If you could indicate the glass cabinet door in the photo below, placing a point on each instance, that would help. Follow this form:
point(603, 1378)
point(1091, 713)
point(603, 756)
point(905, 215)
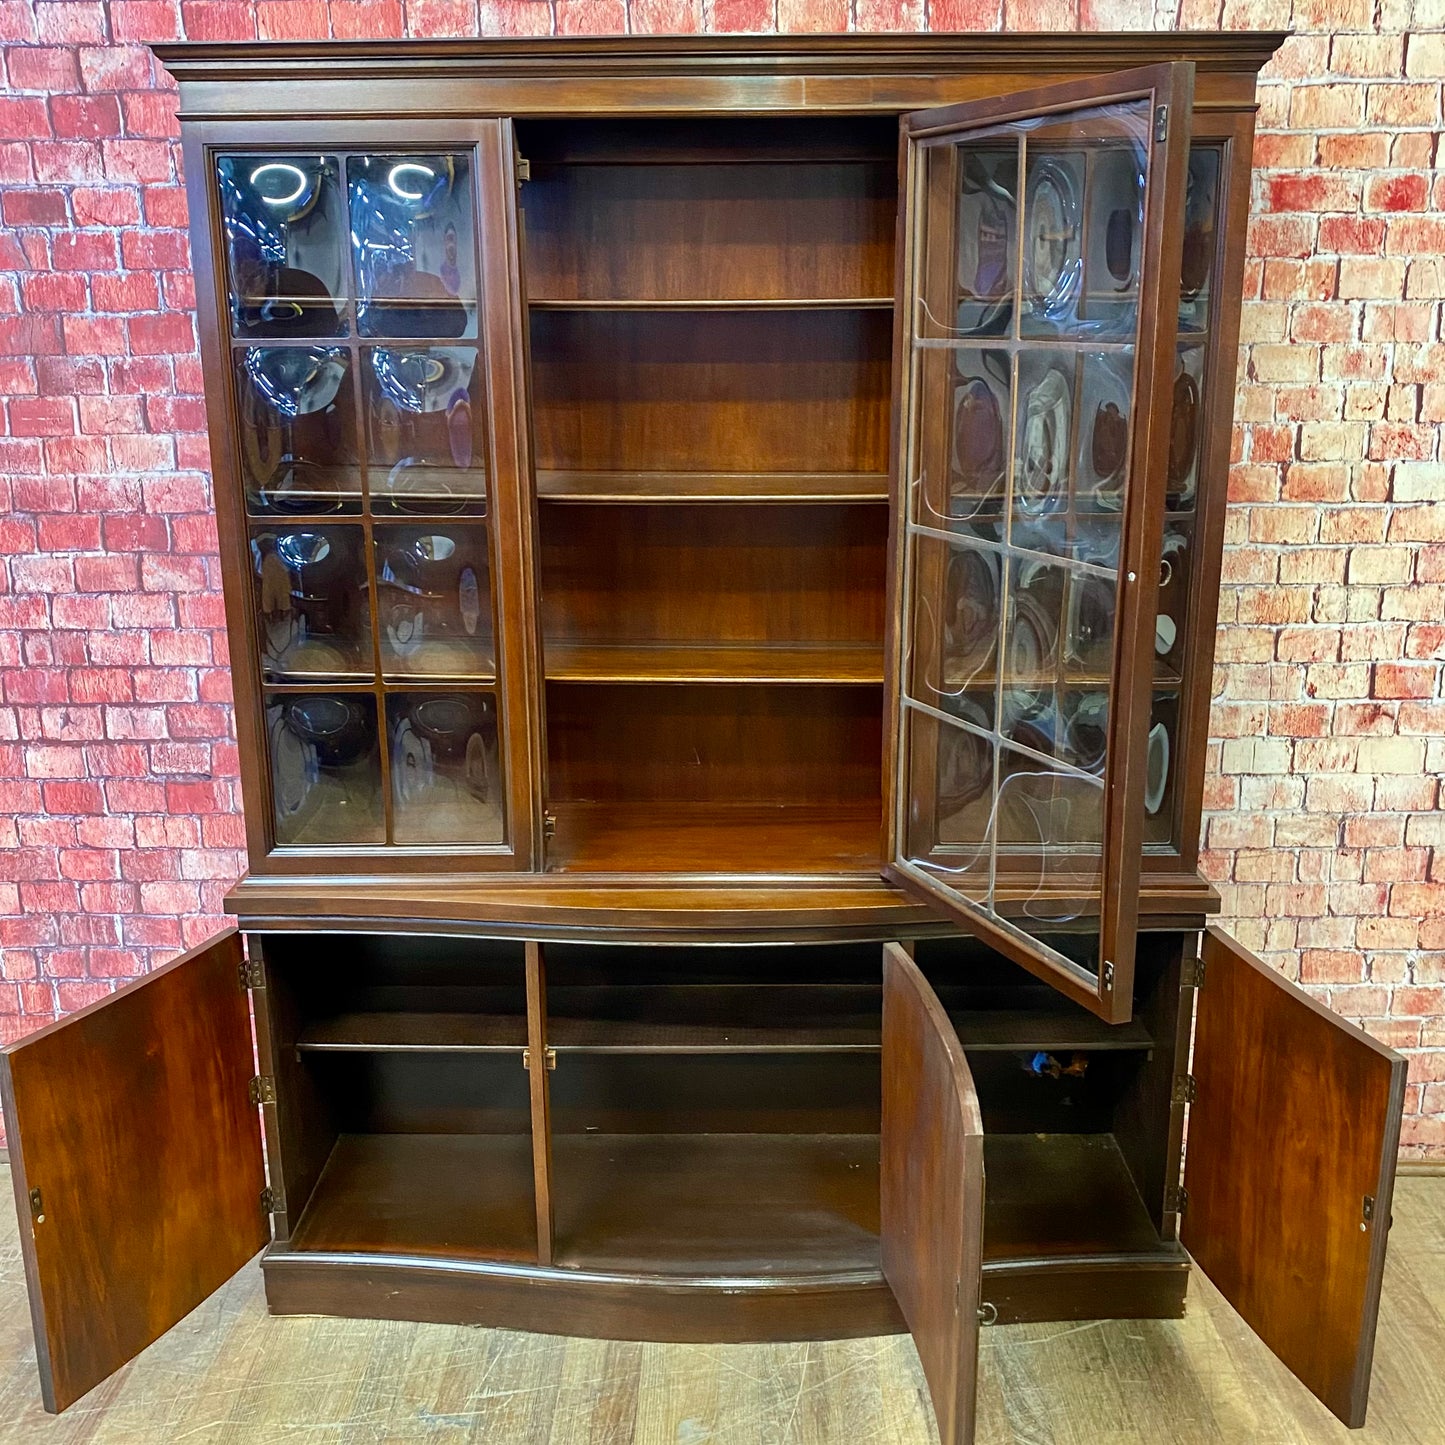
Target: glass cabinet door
point(354, 297)
point(1041, 288)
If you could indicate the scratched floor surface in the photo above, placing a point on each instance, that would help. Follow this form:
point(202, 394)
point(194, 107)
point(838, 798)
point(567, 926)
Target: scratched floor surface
point(230, 1373)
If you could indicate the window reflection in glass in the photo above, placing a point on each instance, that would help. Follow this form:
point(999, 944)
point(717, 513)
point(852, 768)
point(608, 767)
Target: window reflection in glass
point(412, 238)
point(285, 244)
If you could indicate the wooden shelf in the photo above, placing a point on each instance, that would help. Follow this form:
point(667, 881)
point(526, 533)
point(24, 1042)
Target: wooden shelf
point(406, 1032)
point(797, 1018)
point(738, 303)
point(563, 486)
point(715, 838)
point(444, 1195)
point(1061, 1195)
point(723, 1204)
point(742, 662)
point(713, 1018)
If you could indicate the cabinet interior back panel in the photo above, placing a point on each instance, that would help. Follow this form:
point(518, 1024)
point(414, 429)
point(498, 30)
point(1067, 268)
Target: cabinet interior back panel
point(711, 232)
point(753, 391)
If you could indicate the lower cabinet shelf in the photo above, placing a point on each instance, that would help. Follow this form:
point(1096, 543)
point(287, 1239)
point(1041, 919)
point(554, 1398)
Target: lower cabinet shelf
point(464, 1196)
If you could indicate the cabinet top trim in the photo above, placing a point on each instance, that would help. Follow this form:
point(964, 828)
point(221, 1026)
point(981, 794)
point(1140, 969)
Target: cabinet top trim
point(630, 55)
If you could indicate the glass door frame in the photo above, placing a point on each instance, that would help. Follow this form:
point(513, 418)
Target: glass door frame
point(1168, 91)
point(500, 342)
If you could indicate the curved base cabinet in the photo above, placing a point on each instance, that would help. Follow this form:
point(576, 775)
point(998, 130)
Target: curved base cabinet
point(681, 1309)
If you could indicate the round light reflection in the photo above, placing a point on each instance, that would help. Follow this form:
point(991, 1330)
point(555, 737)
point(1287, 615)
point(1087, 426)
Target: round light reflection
point(403, 168)
point(280, 168)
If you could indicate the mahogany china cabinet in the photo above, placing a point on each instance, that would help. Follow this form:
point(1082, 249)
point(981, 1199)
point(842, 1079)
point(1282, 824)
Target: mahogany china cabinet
point(721, 540)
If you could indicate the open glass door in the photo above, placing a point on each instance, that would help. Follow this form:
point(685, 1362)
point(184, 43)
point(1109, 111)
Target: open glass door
point(1039, 281)
point(135, 1145)
point(1293, 1132)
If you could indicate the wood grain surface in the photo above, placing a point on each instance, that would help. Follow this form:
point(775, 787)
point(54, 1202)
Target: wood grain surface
point(231, 1375)
point(138, 1162)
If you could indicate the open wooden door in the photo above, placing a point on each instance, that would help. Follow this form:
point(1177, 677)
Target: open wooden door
point(932, 1190)
point(1293, 1133)
point(1038, 311)
point(136, 1154)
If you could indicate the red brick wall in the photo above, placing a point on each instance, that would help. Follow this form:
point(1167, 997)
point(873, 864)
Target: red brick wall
point(117, 761)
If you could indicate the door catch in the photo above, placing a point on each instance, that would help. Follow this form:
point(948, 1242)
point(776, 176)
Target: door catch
point(37, 1207)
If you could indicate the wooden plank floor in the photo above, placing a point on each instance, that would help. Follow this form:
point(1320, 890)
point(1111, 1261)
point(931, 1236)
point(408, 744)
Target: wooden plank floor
point(230, 1373)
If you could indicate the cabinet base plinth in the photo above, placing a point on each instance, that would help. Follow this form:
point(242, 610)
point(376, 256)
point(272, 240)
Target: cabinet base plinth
point(696, 1310)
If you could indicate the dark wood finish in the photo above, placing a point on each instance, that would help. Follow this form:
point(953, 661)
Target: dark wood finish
point(465, 1196)
point(932, 1190)
point(1109, 991)
point(539, 1088)
point(1130, 1287)
point(703, 391)
point(650, 486)
point(723, 1204)
point(136, 1155)
point(1294, 1126)
point(454, 1033)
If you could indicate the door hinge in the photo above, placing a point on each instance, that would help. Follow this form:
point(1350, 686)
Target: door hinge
point(550, 1055)
point(1176, 1199)
point(549, 826)
point(1161, 123)
point(1185, 1088)
point(252, 974)
point(37, 1207)
point(524, 168)
point(1367, 1213)
point(1191, 975)
point(262, 1089)
point(271, 1202)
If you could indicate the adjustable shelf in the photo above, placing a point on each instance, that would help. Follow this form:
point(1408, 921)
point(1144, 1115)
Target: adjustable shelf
point(664, 486)
point(741, 662)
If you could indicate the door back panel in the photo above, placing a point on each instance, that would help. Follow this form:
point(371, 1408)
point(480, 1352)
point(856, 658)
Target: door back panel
point(136, 1154)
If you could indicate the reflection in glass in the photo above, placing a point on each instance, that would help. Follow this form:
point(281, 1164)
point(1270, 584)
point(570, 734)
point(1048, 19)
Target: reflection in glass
point(434, 601)
point(1201, 201)
point(445, 768)
point(1084, 736)
point(1173, 605)
point(950, 826)
point(1045, 432)
point(1184, 424)
point(1106, 381)
point(1056, 818)
point(311, 603)
point(1031, 654)
point(1053, 262)
point(424, 420)
point(285, 244)
point(1089, 625)
point(971, 623)
point(1159, 765)
point(980, 437)
point(411, 233)
point(1115, 235)
point(987, 217)
point(325, 768)
point(298, 423)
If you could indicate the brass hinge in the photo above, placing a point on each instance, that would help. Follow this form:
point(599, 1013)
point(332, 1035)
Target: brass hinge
point(1192, 973)
point(549, 826)
point(262, 1089)
point(37, 1207)
point(550, 1055)
point(1184, 1088)
point(252, 974)
point(524, 169)
point(1367, 1213)
point(271, 1202)
point(1176, 1199)
point(1161, 123)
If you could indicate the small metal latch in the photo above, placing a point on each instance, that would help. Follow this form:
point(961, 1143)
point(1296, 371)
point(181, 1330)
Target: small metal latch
point(549, 826)
point(1161, 123)
point(524, 169)
point(988, 1313)
point(1184, 1088)
point(1191, 975)
point(1176, 1199)
point(550, 1055)
point(262, 1089)
point(252, 974)
point(1367, 1213)
point(37, 1207)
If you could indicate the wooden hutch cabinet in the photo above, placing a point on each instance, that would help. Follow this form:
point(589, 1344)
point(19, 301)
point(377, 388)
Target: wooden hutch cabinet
point(703, 518)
